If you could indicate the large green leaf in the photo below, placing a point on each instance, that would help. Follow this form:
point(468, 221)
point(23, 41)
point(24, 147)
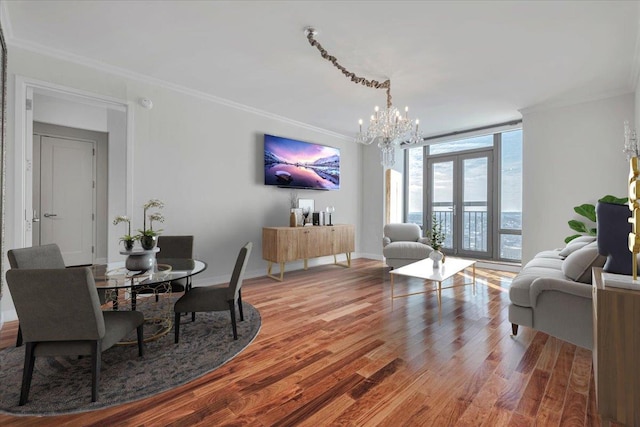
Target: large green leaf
point(578, 226)
point(586, 210)
point(615, 200)
point(570, 238)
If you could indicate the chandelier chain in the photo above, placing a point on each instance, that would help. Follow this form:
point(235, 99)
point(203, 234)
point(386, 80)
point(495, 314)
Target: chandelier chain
point(352, 76)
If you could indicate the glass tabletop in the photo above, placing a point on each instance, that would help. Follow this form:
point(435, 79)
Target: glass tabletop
point(116, 276)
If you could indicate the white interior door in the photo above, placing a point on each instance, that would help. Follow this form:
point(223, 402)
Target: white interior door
point(67, 197)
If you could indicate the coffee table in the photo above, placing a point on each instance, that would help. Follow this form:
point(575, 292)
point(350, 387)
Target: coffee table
point(424, 270)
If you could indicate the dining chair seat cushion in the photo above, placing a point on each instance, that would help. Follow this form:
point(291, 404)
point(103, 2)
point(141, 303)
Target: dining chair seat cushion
point(117, 324)
point(206, 298)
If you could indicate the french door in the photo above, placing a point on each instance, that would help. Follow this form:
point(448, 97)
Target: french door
point(459, 196)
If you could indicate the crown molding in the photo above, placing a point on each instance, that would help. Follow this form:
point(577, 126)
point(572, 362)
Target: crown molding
point(131, 75)
point(575, 101)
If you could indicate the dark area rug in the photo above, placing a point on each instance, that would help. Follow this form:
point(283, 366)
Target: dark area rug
point(63, 384)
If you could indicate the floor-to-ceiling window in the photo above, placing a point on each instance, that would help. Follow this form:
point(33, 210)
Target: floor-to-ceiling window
point(473, 188)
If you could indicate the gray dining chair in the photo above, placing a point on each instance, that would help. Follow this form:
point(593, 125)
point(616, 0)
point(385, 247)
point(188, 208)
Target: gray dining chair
point(172, 248)
point(37, 257)
point(60, 315)
point(215, 298)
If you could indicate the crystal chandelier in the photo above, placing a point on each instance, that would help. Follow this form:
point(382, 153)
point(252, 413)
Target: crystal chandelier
point(389, 127)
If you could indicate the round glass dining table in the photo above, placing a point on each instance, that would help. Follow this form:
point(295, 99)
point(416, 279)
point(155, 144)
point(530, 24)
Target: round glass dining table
point(121, 285)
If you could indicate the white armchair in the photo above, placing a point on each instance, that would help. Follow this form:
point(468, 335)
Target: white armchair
point(403, 244)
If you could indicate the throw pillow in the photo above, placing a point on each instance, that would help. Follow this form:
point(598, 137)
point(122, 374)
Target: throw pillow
point(575, 244)
point(577, 266)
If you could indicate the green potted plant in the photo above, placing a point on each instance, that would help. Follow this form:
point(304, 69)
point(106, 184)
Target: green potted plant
point(127, 239)
point(149, 236)
point(588, 211)
point(436, 238)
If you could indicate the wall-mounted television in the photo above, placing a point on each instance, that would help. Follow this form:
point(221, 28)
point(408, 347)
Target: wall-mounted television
point(291, 163)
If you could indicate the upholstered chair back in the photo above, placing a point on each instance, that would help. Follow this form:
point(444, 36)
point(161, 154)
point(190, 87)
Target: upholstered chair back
point(613, 230)
point(238, 271)
point(45, 256)
point(175, 246)
point(56, 304)
point(402, 232)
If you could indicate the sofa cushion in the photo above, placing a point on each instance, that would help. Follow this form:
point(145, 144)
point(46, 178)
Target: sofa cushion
point(577, 266)
point(553, 253)
point(552, 263)
point(406, 250)
point(519, 292)
point(575, 244)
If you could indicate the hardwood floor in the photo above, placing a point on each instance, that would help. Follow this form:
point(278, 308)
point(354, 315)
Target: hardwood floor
point(333, 351)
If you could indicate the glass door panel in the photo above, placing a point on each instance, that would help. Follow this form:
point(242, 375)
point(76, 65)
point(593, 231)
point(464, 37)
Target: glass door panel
point(460, 199)
point(475, 203)
point(442, 199)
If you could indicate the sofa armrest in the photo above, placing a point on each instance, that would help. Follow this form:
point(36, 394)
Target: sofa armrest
point(385, 241)
point(543, 284)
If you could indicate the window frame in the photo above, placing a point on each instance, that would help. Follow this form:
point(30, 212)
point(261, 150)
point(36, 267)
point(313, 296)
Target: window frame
point(496, 222)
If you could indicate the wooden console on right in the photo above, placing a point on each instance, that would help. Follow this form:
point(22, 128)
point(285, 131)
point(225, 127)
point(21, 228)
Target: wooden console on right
point(616, 351)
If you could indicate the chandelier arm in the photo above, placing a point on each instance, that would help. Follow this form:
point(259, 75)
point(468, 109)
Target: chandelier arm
point(352, 76)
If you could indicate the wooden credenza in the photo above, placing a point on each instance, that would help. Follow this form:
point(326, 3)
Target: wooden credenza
point(616, 352)
point(285, 244)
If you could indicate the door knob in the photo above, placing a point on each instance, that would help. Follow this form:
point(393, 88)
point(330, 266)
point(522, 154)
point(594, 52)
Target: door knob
point(48, 215)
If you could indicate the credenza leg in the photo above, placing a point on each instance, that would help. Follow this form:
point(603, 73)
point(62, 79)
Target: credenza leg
point(347, 263)
point(269, 274)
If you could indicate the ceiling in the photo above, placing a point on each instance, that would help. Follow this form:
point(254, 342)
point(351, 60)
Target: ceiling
point(457, 65)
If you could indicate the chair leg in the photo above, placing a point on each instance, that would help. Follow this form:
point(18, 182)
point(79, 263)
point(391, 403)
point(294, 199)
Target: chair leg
point(176, 325)
point(240, 305)
point(232, 309)
point(19, 337)
point(140, 332)
point(514, 329)
point(96, 359)
point(193, 316)
point(29, 360)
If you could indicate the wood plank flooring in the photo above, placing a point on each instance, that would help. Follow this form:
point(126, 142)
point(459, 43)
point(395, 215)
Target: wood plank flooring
point(334, 351)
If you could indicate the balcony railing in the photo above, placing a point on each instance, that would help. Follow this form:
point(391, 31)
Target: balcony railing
point(475, 229)
point(475, 233)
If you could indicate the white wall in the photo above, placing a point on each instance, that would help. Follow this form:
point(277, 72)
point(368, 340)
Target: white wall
point(572, 155)
point(64, 112)
point(372, 201)
point(203, 159)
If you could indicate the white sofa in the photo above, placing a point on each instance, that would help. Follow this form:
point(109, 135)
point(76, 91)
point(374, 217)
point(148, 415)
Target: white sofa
point(403, 244)
point(553, 292)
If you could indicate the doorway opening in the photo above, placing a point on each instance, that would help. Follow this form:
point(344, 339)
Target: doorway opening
point(54, 105)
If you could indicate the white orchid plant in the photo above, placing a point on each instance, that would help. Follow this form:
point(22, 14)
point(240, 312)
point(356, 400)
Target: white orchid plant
point(127, 237)
point(156, 216)
point(152, 217)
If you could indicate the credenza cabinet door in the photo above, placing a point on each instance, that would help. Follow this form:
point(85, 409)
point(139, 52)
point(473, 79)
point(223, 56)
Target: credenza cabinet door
point(343, 239)
point(281, 244)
